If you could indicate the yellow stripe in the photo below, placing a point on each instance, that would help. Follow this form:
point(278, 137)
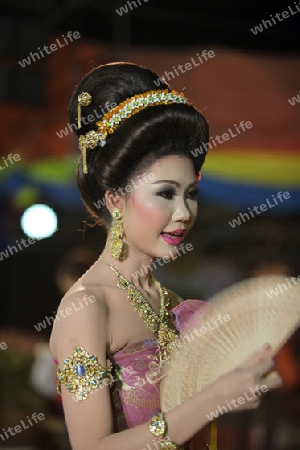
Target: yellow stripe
point(213, 435)
point(254, 168)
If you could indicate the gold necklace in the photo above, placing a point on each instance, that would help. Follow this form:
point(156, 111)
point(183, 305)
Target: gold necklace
point(166, 336)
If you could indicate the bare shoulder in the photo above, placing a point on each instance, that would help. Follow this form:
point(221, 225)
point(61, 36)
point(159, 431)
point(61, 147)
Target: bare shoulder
point(81, 330)
point(82, 316)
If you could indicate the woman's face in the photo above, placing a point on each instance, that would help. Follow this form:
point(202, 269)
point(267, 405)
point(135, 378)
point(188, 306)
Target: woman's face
point(162, 207)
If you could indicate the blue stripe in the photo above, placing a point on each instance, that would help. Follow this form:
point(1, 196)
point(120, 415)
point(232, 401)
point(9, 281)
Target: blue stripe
point(241, 196)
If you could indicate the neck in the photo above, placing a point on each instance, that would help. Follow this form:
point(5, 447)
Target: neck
point(136, 267)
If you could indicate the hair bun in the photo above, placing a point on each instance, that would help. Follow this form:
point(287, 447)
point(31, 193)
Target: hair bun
point(139, 141)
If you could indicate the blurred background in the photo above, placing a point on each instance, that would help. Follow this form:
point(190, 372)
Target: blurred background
point(252, 75)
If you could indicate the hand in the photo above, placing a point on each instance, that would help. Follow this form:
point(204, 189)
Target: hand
point(243, 387)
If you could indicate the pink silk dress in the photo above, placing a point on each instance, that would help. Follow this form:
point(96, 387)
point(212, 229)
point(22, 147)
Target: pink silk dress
point(136, 390)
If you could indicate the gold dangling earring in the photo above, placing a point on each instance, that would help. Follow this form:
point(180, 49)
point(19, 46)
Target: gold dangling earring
point(116, 244)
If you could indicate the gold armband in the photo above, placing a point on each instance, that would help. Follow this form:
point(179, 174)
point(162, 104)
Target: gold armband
point(82, 373)
point(158, 427)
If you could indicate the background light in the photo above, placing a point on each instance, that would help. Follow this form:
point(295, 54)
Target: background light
point(39, 221)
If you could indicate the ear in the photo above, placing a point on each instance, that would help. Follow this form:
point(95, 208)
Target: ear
point(114, 200)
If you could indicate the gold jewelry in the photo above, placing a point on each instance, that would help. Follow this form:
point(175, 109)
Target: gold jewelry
point(114, 117)
point(166, 336)
point(81, 373)
point(88, 140)
point(84, 99)
point(116, 244)
point(158, 427)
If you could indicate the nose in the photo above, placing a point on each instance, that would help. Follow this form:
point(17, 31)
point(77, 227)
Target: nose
point(182, 213)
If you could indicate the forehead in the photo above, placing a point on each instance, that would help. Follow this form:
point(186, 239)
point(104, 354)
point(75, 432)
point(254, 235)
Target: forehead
point(173, 167)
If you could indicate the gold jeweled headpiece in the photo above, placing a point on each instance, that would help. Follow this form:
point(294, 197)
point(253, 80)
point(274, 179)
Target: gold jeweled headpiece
point(113, 118)
point(84, 99)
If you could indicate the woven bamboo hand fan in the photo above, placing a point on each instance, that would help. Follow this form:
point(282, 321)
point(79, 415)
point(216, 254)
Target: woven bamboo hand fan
point(237, 321)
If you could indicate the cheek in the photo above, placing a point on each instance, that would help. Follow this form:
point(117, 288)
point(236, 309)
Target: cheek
point(147, 211)
point(194, 209)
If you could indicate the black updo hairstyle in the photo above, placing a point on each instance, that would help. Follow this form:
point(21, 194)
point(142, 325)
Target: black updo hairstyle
point(139, 141)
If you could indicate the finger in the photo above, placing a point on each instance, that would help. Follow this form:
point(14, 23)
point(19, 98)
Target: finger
point(263, 368)
point(273, 380)
point(261, 354)
point(271, 371)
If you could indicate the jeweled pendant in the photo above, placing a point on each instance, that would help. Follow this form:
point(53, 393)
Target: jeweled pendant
point(116, 234)
point(166, 339)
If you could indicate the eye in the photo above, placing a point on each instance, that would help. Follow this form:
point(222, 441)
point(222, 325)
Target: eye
point(193, 194)
point(166, 193)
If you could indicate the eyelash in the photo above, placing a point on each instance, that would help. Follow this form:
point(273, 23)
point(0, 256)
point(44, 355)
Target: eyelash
point(194, 193)
point(169, 193)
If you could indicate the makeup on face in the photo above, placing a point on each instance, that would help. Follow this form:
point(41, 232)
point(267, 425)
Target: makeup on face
point(161, 213)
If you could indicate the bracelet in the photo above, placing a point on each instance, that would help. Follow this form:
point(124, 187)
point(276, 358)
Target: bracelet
point(158, 427)
point(82, 373)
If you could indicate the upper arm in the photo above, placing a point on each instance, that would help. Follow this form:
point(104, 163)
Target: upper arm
point(87, 420)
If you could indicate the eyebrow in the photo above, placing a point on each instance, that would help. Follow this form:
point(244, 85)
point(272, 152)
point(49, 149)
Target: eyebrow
point(174, 182)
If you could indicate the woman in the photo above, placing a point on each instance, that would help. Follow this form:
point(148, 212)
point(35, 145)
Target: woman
point(138, 159)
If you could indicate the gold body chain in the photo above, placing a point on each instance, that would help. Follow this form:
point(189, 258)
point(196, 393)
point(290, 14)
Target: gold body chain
point(166, 336)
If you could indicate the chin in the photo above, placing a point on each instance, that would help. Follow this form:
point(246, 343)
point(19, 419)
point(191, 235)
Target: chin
point(168, 251)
